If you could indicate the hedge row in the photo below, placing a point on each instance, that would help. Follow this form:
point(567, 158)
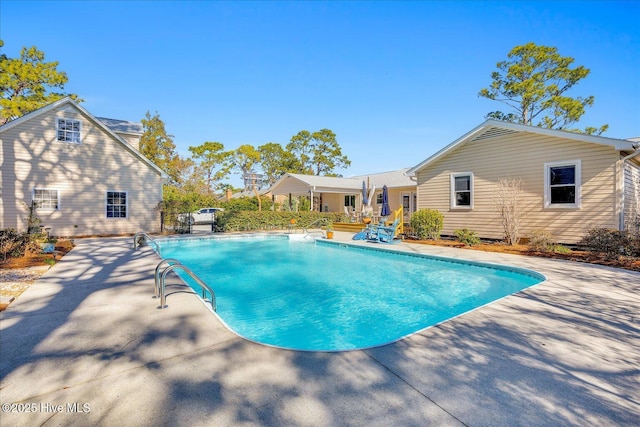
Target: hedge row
point(269, 220)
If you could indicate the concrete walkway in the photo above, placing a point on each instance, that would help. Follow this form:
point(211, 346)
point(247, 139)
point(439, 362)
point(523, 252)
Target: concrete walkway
point(86, 345)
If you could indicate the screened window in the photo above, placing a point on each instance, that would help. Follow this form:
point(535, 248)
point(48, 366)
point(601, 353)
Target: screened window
point(69, 130)
point(46, 199)
point(116, 204)
point(562, 184)
point(462, 190)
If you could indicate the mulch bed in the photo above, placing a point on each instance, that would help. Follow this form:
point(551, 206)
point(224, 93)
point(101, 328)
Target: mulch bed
point(17, 274)
point(627, 263)
point(62, 247)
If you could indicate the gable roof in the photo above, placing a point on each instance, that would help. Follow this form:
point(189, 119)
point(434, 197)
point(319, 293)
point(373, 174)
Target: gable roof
point(296, 183)
point(392, 179)
point(98, 122)
point(494, 128)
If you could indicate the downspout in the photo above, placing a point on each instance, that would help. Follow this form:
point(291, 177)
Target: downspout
point(414, 178)
point(634, 154)
point(622, 201)
point(311, 198)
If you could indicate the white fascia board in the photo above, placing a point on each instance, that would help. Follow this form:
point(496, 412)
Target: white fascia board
point(121, 140)
point(92, 118)
point(412, 171)
point(617, 144)
point(35, 113)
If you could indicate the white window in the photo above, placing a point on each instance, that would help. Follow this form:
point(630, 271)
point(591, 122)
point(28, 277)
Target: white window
point(562, 184)
point(350, 201)
point(116, 204)
point(46, 199)
point(462, 190)
point(69, 130)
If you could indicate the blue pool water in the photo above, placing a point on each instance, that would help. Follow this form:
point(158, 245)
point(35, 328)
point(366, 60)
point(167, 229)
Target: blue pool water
point(332, 297)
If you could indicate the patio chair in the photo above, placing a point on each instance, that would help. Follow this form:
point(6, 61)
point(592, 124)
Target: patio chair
point(370, 232)
point(383, 234)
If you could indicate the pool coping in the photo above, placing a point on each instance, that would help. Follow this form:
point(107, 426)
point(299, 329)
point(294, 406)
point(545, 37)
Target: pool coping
point(343, 244)
point(564, 352)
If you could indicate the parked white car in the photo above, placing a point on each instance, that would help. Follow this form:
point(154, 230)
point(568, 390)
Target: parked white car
point(204, 216)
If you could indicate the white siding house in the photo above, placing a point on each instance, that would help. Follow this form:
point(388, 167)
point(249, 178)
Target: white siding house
point(571, 181)
point(86, 174)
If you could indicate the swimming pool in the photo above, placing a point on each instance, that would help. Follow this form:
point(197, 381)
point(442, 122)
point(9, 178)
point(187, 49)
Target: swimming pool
point(331, 297)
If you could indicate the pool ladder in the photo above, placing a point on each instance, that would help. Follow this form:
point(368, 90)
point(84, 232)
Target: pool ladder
point(172, 264)
point(160, 281)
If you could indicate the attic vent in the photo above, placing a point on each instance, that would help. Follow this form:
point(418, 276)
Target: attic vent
point(494, 133)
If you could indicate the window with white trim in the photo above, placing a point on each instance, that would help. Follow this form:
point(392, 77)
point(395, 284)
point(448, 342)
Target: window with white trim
point(69, 130)
point(462, 190)
point(116, 204)
point(562, 184)
point(350, 201)
point(46, 199)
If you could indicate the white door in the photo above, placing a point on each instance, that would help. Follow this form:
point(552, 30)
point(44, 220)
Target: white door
point(408, 201)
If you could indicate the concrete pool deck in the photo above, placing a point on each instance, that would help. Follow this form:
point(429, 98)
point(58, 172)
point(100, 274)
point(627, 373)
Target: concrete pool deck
point(87, 345)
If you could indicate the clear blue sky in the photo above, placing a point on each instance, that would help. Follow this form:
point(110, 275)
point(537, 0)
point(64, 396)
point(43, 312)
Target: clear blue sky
point(396, 81)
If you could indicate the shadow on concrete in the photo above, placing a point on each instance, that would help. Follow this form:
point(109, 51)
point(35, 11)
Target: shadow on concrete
point(561, 353)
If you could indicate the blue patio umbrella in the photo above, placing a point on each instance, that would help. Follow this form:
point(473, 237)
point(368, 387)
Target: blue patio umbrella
point(386, 211)
point(365, 199)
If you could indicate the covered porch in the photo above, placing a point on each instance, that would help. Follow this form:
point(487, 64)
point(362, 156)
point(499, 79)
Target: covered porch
point(326, 194)
point(346, 196)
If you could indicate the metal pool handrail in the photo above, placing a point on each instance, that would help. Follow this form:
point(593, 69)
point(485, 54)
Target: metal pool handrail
point(156, 275)
point(146, 236)
point(163, 296)
point(314, 233)
point(305, 229)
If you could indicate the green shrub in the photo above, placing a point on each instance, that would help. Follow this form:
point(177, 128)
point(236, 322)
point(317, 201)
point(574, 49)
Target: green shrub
point(560, 249)
point(468, 237)
point(14, 244)
point(541, 241)
point(634, 237)
point(249, 203)
point(270, 220)
point(634, 246)
point(610, 243)
point(427, 223)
